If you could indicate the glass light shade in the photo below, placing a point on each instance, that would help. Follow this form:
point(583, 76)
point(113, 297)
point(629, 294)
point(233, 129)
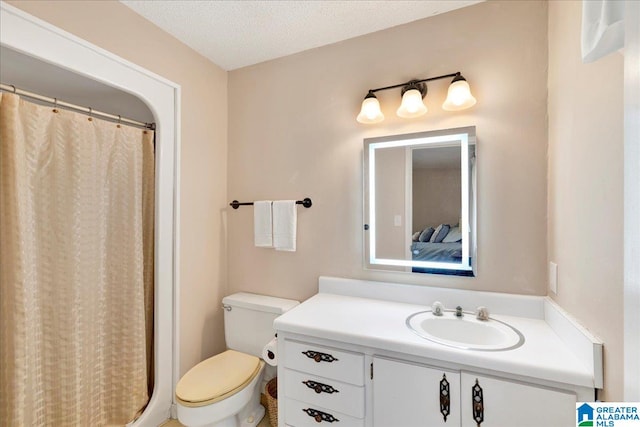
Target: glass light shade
point(459, 96)
point(370, 111)
point(411, 105)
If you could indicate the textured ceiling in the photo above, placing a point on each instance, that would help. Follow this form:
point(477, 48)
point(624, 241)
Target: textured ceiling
point(235, 34)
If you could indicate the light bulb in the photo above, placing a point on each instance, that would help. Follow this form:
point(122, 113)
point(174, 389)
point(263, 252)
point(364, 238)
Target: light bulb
point(411, 105)
point(459, 96)
point(370, 111)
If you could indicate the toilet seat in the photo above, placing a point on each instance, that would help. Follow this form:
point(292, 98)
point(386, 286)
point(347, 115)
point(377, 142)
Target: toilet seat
point(217, 378)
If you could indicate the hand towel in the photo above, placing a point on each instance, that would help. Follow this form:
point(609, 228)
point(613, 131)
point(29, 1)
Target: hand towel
point(285, 221)
point(262, 224)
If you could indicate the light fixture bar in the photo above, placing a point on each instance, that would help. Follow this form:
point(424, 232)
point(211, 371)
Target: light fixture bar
point(413, 92)
point(415, 81)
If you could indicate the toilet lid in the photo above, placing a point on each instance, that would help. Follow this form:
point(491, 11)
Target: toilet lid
point(217, 378)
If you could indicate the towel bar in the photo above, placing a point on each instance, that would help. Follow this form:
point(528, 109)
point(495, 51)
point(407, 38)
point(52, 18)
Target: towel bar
point(306, 202)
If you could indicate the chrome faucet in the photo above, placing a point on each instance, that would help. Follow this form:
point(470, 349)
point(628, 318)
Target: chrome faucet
point(458, 311)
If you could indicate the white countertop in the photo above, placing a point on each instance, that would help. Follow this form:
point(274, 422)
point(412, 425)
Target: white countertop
point(381, 324)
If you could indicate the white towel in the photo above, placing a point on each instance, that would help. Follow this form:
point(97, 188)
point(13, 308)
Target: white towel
point(262, 224)
point(285, 221)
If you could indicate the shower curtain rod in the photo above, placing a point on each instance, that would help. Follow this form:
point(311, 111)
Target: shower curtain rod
point(78, 108)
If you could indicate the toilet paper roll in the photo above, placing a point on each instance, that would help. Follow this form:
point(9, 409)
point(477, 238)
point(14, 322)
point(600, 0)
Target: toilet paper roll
point(269, 352)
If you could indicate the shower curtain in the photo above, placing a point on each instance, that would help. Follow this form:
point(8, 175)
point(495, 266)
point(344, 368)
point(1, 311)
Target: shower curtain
point(76, 267)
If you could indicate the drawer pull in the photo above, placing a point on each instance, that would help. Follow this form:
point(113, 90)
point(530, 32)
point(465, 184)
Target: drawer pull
point(445, 398)
point(320, 416)
point(319, 357)
point(478, 403)
point(319, 387)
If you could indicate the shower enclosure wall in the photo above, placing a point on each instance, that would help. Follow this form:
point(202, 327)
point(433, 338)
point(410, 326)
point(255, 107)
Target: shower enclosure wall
point(37, 40)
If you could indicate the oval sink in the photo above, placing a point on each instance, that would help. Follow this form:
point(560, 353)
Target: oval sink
point(465, 332)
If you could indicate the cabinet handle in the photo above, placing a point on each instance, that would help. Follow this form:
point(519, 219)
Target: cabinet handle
point(320, 416)
point(319, 387)
point(477, 403)
point(319, 357)
point(445, 398)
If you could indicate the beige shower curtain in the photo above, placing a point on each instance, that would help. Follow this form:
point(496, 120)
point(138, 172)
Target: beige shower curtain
point(76, 268)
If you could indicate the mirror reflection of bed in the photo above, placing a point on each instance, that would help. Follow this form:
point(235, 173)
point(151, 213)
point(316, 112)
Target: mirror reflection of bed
point(420, 202)
point(436, 205)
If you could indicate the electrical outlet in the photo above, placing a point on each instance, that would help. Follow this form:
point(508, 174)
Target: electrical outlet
point(553, 277)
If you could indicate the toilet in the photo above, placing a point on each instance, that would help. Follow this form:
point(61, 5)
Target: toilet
point(224, 390)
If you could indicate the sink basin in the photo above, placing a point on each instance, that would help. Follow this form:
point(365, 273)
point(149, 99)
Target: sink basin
point(465, 332)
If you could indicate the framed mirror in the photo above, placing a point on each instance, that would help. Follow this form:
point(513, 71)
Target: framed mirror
point(420, 202)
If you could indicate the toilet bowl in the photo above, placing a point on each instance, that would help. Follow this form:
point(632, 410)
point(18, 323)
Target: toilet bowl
point(224, 390)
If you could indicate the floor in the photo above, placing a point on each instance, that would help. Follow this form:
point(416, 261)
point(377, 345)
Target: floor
point(176, 423)
point(264, 423)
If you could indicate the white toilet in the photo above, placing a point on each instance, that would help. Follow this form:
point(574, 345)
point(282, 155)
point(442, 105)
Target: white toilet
point(224, 390)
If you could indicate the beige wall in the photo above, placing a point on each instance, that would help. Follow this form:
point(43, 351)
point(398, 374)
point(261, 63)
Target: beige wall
point(585, 202)
point(116, 28)
point(293, 134)
point(391, 240)
point(436, 197)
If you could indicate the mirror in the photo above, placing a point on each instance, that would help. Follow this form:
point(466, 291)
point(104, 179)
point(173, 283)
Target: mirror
point(420, 202)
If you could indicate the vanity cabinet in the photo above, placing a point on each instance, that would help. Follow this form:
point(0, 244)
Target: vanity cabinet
point(414, 395)
point(408, 394)
point(321, 385)
point(340, 386)
point(508, 403)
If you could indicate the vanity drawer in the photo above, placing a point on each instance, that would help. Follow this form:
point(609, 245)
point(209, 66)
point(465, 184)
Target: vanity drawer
point(300, 414)
point(325, 362)
point(324, 392)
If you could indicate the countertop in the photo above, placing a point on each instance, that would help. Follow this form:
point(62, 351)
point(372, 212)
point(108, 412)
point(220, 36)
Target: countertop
point(381, 324)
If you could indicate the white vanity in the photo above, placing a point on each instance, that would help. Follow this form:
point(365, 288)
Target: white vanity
point(347, 357)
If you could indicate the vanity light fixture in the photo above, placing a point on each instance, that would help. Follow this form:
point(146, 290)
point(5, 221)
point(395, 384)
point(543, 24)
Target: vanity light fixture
point(458, 98)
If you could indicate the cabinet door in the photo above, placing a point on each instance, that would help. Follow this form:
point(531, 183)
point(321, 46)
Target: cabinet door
point(408, 395)
point(507, 403)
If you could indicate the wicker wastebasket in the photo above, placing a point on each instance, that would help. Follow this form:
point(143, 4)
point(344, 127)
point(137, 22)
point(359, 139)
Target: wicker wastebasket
point(272, 401)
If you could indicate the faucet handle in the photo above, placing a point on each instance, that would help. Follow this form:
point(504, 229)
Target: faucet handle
point(437, 308)
point(482, 313)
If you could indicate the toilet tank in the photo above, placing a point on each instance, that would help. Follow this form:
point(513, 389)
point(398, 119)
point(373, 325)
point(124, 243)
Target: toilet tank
point(248, 320)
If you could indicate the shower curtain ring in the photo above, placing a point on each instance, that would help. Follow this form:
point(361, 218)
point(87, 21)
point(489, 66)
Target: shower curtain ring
point(119, 119)
point(90, 114)
point(14, 88)
point(55, 105)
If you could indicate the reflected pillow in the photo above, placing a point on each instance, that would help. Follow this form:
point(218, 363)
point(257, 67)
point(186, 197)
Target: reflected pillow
point(440, 233)
point(416, 236)
point(455, 235)
point(426, 234)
